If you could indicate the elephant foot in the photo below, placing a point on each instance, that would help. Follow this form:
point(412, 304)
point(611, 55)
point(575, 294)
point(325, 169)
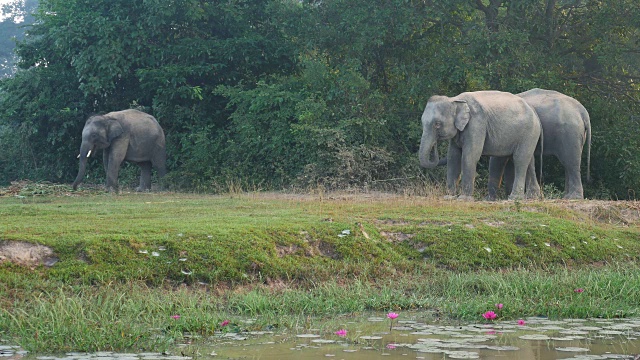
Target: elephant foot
point(513, 197)
point(533, 196)
point(574, 196)
point(491, 198)
point(465, 198)
point(450, 197)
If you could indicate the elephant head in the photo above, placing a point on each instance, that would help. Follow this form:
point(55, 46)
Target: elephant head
point(98, 133)
point(442, 119)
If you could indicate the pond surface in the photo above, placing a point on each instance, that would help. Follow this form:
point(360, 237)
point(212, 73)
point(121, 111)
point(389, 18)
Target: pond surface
point(411, 338)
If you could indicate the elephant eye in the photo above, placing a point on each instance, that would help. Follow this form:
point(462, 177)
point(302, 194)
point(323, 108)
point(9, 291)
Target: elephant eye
point(438, 124)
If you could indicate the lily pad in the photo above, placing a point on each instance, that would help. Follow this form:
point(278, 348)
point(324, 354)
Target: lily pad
point(503, 348)
point(463, 355)
point(369, 337)
point(323, 341)
point(588, 328)
point(610, 332)
point(534, 337)
point(572, 349)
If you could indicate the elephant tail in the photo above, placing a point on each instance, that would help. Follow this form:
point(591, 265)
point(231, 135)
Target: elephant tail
point(589, 153)
point(541, 152)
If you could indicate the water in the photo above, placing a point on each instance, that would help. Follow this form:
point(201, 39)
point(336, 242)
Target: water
point(370, 338)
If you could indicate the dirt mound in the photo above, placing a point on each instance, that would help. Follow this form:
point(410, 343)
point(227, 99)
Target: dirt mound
point(26, 254)
point(27, 189)
point(624, 213)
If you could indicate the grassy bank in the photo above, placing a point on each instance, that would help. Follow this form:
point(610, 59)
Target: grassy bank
point(121, 266)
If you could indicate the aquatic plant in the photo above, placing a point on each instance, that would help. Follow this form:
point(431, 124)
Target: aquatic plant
point(341, 333)
point(489, 315)
point(391, 316)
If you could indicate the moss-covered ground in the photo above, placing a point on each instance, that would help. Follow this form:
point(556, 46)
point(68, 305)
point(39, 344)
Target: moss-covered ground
point(123, 264)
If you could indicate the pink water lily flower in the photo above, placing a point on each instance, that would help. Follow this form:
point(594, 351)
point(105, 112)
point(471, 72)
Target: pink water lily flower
point(521, 322)
point(489, 315)
point(225, 323)
point(499, 306)
point(341, 333)
point(175, 317)
point(392, 315)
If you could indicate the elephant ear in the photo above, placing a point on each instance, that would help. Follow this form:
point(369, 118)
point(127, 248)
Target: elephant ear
point(462, 115)
point(115, 130)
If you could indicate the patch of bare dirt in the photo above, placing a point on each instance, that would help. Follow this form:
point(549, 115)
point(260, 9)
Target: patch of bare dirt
point(26, 254)
point(626, 213)
point(435, 222)
point(393, 222)
point(28, 188)
point(314, 248)
point(396, 237)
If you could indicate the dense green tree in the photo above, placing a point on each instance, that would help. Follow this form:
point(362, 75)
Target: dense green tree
point(86, 56)
point(305, 93)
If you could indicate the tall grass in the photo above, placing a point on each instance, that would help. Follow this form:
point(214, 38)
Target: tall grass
point(134, 316)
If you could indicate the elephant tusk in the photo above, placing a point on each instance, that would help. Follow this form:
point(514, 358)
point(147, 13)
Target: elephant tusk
point(78, 157)
point(89, 153)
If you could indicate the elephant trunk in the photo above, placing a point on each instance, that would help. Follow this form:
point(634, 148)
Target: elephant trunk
point(85, 152)
point(428, 152)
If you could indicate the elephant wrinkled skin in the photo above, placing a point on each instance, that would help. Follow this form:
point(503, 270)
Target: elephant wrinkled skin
point(480, 123)
point(566, 126)
point(129, 135)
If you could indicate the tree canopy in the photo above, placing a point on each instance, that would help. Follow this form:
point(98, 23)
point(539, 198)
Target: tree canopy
point(281, 93)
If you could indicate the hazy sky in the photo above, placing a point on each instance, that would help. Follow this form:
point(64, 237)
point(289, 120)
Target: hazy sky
point(2, 2)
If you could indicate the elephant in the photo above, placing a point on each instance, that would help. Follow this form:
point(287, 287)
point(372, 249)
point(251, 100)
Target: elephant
point(566, 126)
point(480, 123)
point(129, 135)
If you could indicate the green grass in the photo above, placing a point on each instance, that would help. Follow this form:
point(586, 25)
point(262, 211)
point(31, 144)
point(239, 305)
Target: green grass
point(137, 317)
point(278, 258)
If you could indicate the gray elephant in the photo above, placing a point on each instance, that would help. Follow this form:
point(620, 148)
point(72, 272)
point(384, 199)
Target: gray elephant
point(566, 126)
point(480, 123)
point(129, 135)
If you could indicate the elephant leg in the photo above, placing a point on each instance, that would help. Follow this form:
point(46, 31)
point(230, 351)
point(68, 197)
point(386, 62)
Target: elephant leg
point(570, 157)
point(520, 166)
point(105, 160)
point(572, 182)
point(469, 162)
point(509, 175)
point(145, 176)
point(454, 155)
point(159, 163)
point(496, 169)
point(532, 188)
point(116, 157)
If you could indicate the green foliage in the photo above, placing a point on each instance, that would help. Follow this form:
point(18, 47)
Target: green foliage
point(274, 93)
